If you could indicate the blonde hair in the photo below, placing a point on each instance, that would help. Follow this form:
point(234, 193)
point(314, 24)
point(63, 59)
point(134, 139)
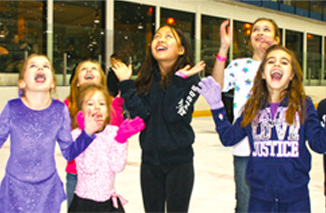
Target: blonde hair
point(23, 71)
point(74, 90)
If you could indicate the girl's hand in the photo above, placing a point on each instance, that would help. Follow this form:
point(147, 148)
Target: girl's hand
point(188, 71)
point(122, 71)
point(92, 122)
point(211, 91)
point(266, 44)
point(128, 128)
point(225, 34)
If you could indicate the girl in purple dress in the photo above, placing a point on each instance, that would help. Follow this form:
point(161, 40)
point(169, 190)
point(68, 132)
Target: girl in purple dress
point(35, 122)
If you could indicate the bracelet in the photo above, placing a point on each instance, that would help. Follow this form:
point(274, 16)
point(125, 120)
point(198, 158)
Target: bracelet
point(181, 74)
point(222, 59)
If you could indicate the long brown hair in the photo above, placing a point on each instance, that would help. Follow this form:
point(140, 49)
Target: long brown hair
point(146, 74)
point(260, 95)
point(74, 90)
point(85, 93)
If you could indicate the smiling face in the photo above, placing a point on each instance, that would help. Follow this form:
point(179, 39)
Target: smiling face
point(37, 75)
point(278, 70)
point(89, 73)
point(166, 45)
point(263, 35)
point(96, 102)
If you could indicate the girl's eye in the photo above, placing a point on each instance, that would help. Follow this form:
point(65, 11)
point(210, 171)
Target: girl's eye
point(102, 103)
point(90, 104)
point(157, 36)
point(32, 65)
point(270, 61)
point(255, 29)
point(83, 68)
point(284, 62)
point(46, 66)
point(94, 69)
point(169, 36)
point(267, 29)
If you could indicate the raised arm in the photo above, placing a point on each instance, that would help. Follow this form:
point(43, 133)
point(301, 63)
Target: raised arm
point(218, 69)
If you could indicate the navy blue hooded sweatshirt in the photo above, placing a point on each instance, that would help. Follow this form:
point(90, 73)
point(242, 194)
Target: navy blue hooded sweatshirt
point(279, 163)
point(168, 136)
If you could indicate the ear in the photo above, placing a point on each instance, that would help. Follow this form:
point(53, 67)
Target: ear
point(292, 76)
point(181, 50)
point(278, 40)
point(52, 86)
point(263, 76)
point(21, 84)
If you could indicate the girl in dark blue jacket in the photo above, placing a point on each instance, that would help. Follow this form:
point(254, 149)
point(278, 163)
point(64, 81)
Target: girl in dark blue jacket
point(278, 118)
point(163, 95)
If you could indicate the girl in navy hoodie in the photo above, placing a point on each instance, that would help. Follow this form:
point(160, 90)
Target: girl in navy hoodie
point(278, 119)
point(163, 95)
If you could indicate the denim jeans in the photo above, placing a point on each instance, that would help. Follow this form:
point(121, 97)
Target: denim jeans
point(71, 182)
point(241, 185)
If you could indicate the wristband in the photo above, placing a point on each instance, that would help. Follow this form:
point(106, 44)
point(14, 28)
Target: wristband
point(222, 59)
point(181, 74)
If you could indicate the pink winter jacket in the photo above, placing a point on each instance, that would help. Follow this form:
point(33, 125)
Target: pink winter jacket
point(98, 165)
point(116, 119)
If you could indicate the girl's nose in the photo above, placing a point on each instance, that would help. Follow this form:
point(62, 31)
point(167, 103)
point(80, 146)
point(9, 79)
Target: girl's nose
point(161, 40)
point(277, 63)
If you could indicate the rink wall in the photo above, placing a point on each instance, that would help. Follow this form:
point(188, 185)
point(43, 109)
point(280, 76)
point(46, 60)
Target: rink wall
point(317, 93)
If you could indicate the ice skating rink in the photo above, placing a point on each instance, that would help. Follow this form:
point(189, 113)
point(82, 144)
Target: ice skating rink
point(214, 186)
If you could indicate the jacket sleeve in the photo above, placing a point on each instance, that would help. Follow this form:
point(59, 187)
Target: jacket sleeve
point(314, 132)
point(4, 124)
point(116, 112)
point(135, 104)
point(71, 149)
point(229, 134)
point(180, 98)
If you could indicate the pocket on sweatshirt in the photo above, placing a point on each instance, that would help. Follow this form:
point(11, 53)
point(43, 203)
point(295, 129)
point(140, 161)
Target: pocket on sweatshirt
point(271, 175)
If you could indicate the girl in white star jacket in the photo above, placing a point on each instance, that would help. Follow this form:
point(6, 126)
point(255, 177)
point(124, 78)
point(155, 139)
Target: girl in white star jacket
point(278, 119)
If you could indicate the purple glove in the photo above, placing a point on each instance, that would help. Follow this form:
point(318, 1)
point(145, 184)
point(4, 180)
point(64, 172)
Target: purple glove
point(211, 91)
point(80, 120)
point(129, 128)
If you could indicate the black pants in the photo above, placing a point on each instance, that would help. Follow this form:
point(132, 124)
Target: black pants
point(169, 185)
point(84, 205)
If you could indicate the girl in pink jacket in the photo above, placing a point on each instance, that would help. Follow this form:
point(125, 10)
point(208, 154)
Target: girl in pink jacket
point(106, 156)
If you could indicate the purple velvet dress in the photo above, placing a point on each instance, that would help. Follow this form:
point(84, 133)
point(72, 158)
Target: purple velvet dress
point(31, 182)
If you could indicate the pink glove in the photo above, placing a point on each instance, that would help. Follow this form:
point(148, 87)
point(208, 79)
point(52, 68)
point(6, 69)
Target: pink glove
point(128, 128)
point(80, 120)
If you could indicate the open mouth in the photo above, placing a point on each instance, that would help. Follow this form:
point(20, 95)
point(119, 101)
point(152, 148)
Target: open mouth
point(89, 77)
point(160, 48)
point(276, 75)
point(40, 77)
point(260, 39)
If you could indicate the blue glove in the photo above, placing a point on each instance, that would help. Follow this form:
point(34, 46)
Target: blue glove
point(211, 91)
